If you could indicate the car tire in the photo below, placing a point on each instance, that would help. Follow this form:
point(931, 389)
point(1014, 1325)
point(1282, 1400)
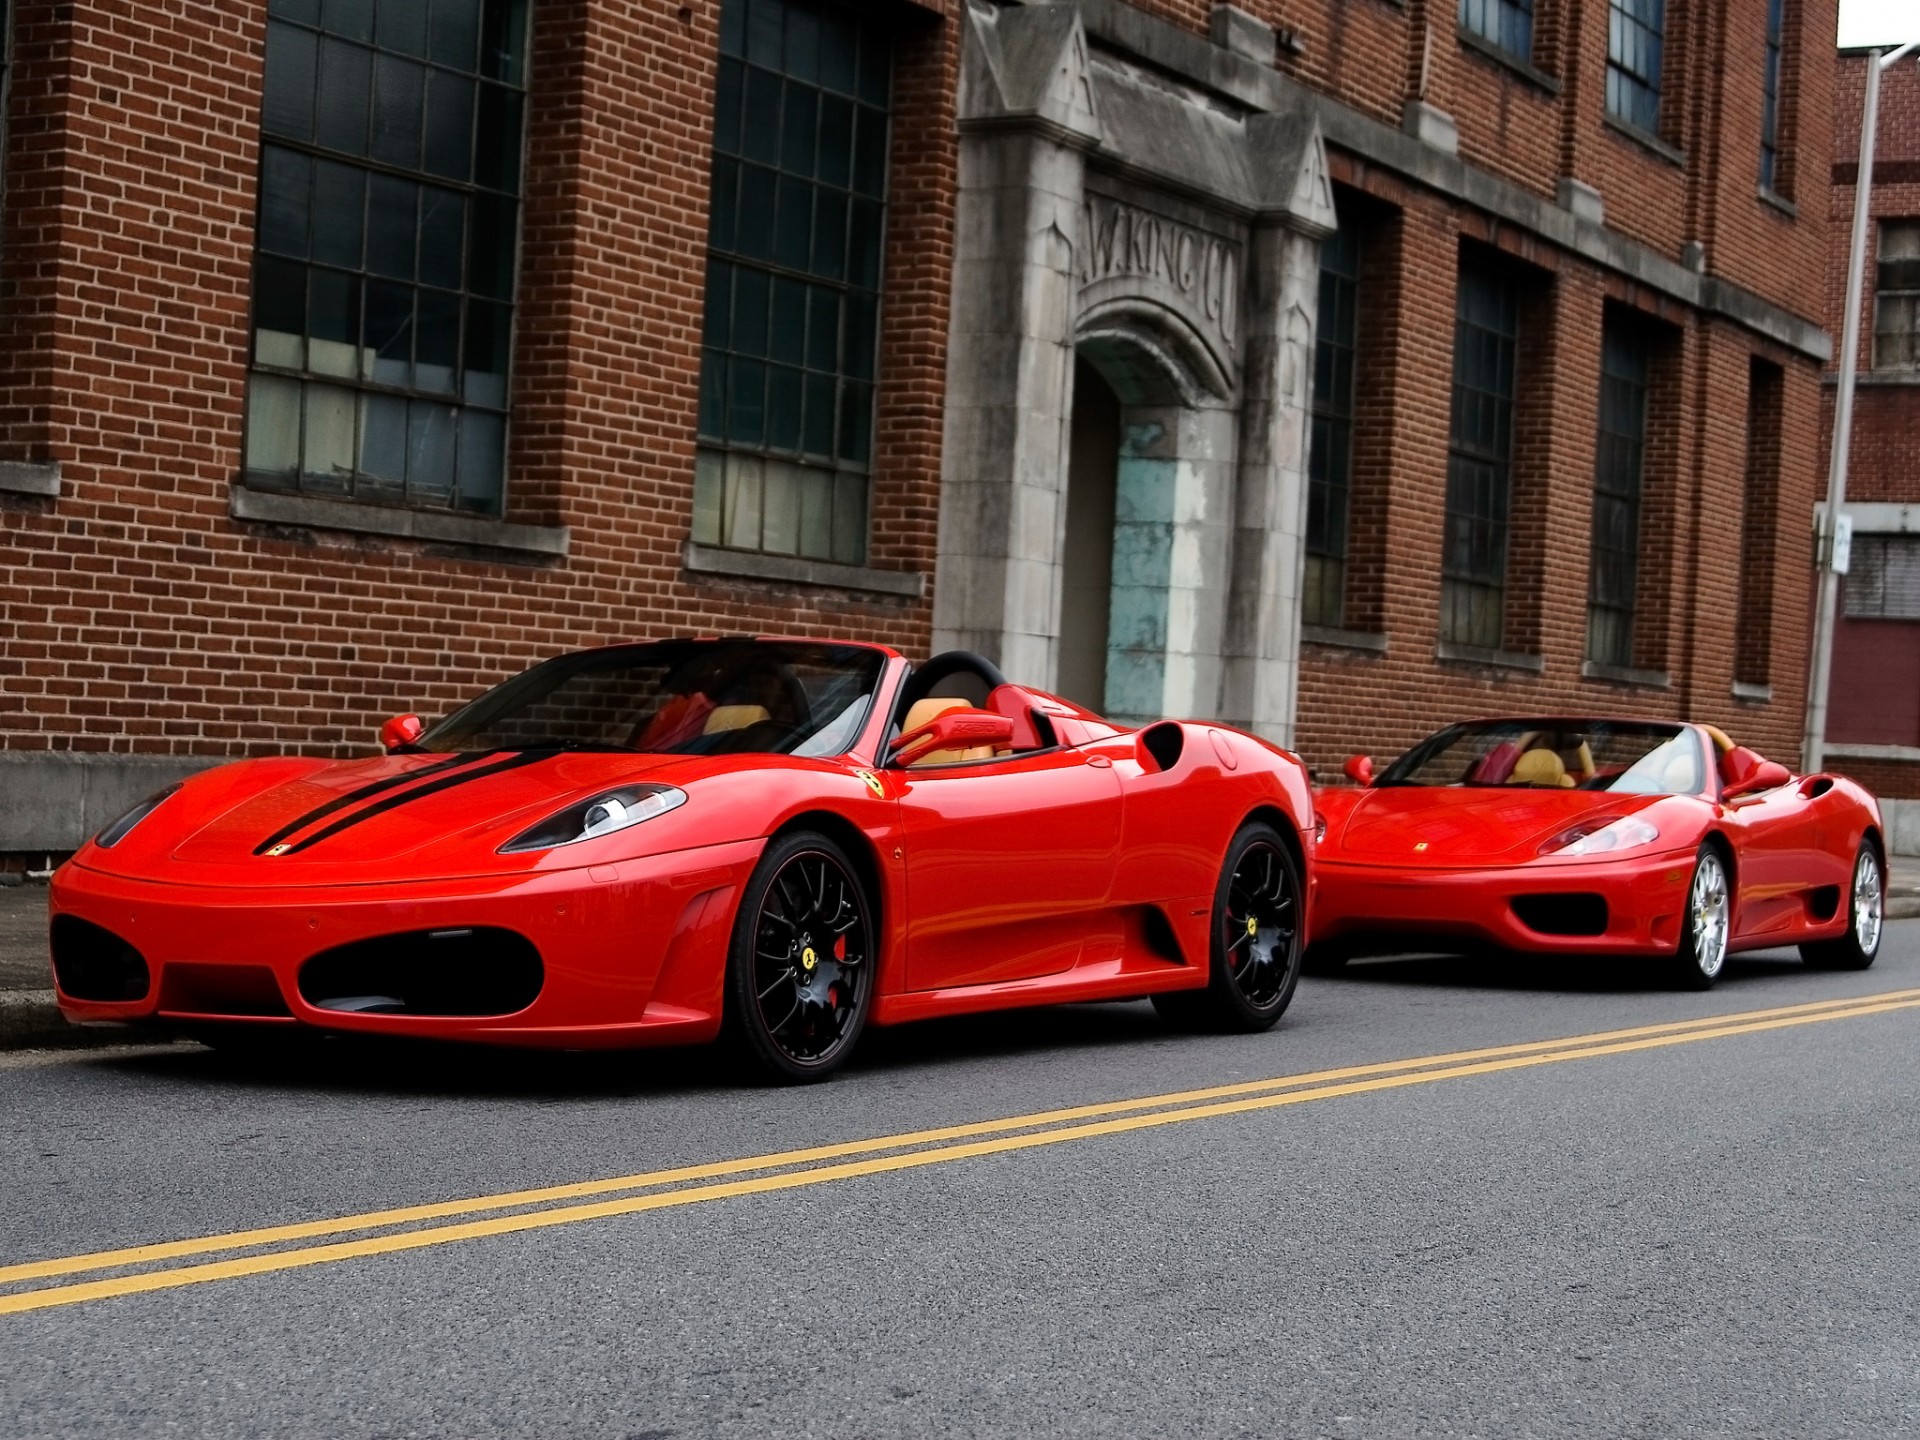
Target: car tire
point(1706, 926)
point(1256, 943)
point(801, 963)
point(1866, 914)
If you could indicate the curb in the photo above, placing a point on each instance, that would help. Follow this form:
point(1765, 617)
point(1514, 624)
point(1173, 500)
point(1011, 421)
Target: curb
point(1903, 907)
point(31, 1020)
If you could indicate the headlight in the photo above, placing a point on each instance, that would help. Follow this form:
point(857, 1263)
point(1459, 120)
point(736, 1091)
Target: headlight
point(602, 815)
point(119, 829)
point(1602, 837)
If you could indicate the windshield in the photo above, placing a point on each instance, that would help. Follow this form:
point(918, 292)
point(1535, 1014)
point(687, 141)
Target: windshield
point(679, 697)
point(1627, 757)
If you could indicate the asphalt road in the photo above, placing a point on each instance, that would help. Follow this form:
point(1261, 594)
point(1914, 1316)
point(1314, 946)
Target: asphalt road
point(1681, 1230)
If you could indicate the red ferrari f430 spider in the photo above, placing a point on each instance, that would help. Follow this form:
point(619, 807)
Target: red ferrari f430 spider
point(1594, 836)
point(648, 844)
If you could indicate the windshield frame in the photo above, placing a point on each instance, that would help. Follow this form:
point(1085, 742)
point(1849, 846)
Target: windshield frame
point(1419, 754)
point(501, 699)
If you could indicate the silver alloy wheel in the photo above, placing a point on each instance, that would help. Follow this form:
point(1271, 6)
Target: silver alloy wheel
point(1867, 901)
point(1709, 906)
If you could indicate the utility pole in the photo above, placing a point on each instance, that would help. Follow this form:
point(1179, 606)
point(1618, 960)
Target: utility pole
point(1814, 750)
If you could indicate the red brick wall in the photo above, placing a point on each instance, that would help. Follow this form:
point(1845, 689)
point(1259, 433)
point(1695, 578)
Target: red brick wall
point(138, 615)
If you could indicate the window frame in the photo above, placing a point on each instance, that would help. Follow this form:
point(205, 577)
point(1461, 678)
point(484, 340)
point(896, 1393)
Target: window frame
point(1905, 289)
point(1619, 493)
point(759, 495)
point(361, 487)
point(1331, 417)
point(1478, 512)
point(1630, 74)
point(1772, 95)
point(1489, 20)
point(1883, 545)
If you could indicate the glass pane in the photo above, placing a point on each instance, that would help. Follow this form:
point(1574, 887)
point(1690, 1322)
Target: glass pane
point(709, 472)
point(456, 32)
point(399, 93)
point(491, 270)
point(389, 335)
point(437, 341)
point(489, 344)
point(496, 161)
point(286, 193)
point(751, 290)
point(856, 422)
point(816, 513)
point(870, 153)
point(483, 460)
point(823, 329)
point(821, 405)
point(747, 402)
point(755, 236)
point(800, 130)
point(742, 504)
point(273, 424)
point(287, 106)
point(353, 18)
point(339, 208)
point(866, 241)
point(803, 43)
point(793, 223)
point(307, 12)
point(443, 236)
point(717, 319)
point(327, 449)
point(383, 439)
point(503, 41)
point(725, 204)
point(836, 141)
point(333, 323)
point(863, 316)
point(733, 28)
point(713, 395)
point(850, 519)
point(760, 124)
point(279, 312)
point(449, 125)
point(788, 340)
point(393, 226)
point(764, 32)
point(727, 87)
point(430, 445)
point(830, 235)
point(781, 522)
point(839, 46)
point(402, 26)
point(346, 81)
point(783, 408)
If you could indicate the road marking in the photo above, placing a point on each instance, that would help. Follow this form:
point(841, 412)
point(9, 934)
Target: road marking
point(1149, 1112)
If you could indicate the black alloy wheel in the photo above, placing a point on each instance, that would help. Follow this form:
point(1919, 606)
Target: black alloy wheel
point(800, 972)
point(1257, 944)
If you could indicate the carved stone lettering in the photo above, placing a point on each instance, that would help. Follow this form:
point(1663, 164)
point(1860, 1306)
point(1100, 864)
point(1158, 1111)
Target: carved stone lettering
point(1197, 273)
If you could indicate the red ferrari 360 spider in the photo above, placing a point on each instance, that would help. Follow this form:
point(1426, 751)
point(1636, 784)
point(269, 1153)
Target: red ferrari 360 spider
point(642, 844)
point(1592, 836)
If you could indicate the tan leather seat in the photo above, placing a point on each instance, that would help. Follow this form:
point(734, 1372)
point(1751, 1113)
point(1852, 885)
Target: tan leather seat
point(925, 712)
point(735, 717)
point(1540, 767)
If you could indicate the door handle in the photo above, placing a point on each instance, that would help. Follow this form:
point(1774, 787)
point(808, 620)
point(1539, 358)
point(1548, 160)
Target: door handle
point(1100, 762)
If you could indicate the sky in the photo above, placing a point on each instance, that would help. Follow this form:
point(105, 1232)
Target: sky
point(1879, 22)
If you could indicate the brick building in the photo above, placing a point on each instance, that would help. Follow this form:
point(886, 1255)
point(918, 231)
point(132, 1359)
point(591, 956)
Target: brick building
point(1332, 368)
point(1873, 727)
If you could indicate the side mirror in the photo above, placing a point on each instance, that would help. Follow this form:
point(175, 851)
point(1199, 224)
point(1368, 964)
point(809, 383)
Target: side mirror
point(401, 731)
point(955, 730)
point(1766, 775)
point(1359, 769)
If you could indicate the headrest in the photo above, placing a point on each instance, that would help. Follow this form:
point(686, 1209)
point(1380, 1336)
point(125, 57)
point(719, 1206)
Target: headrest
point(1540, 767)
point(925, 712)
point(735, 717)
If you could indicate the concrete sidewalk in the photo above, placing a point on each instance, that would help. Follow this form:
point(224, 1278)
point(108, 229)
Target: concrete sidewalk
point(29, 1018)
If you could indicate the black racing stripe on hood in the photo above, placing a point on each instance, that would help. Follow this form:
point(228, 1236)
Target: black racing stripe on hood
point(366, 792)
point(394, 802)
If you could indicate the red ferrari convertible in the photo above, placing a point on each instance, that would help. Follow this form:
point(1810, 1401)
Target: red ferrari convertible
point(1591, 836)
point(646, 844)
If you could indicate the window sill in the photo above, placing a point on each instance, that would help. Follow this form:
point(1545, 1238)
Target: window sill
point(792, 570)
point(1748, 694)
point(1775, 200)
point(1452, 654)
point(1335, 638)
point(270, 507)
point(1890, 378)
point(1909, 754)
point(1484, 48)
point(1626, 675)
point(1646, 140)
point(19, 478)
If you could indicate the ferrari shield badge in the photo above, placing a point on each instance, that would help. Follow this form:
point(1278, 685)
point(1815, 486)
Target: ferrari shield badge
point(873, 783)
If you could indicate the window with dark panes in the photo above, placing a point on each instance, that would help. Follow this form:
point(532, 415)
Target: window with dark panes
point(1896, 297)
point(1770, 97)
point(1479, 459)
point(384, 262)
point(1636, 40)
point(6, 73)
point(1619, 467)
point(1759, 523)
point(1330, 458)
point(1506, 23)
point(1883, 578)
point(793, 280)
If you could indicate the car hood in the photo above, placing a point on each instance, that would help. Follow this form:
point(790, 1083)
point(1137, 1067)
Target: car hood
point(1457, 827)
point(277, 822)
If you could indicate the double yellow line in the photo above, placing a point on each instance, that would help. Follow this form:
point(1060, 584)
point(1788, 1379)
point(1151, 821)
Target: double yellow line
point(143, 1268)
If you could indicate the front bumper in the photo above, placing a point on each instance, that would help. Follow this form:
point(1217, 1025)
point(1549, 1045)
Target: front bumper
point(1644, 898)
point(631, 954)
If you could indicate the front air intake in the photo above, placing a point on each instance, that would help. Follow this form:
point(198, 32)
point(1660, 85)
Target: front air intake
point(468, 971)
point(1562, 914)
point(90, 962)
